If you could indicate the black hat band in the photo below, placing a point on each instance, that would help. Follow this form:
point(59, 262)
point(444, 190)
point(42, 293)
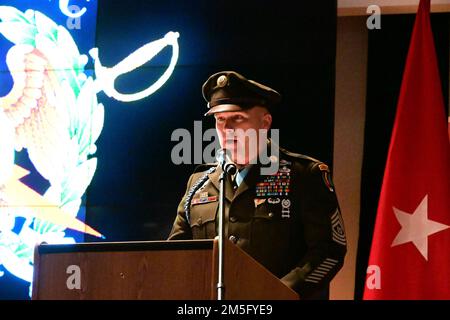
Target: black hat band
point(242, 102)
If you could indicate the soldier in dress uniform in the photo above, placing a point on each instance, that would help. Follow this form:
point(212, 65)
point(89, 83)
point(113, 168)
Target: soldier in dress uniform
point(288, 221)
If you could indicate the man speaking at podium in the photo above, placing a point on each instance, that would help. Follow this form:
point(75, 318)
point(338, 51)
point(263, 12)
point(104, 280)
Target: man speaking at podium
point(288, 220)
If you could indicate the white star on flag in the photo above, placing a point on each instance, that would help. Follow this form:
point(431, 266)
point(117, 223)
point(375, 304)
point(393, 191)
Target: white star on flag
point(416, 227)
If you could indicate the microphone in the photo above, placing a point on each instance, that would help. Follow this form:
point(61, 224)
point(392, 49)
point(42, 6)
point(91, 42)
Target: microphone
point(224, 159)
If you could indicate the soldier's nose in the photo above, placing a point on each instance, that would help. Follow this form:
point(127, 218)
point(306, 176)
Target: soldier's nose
point(229, 125)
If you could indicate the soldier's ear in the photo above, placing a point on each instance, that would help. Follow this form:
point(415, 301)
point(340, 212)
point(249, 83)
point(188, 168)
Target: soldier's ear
point(267, 121)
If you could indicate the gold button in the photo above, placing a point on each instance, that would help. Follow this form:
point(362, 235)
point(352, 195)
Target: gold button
point(233, 239)
point(233, 219)
point(270, 215)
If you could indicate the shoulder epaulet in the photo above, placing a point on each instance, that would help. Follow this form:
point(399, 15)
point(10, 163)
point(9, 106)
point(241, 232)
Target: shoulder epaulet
point(299, 156)
point(204, 167)
point(314, 164)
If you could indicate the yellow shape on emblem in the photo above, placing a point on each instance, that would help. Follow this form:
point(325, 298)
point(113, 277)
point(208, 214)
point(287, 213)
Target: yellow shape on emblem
point(19, 195)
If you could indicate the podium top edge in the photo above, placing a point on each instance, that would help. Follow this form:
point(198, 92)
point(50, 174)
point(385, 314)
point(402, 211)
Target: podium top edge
point(126, 246)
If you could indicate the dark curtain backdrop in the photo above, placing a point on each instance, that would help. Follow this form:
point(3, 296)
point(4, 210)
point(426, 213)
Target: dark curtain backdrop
point(290, 47)
point(388, 48)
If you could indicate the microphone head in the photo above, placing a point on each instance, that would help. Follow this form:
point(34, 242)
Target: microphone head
point(224, 159)
point(229, 167)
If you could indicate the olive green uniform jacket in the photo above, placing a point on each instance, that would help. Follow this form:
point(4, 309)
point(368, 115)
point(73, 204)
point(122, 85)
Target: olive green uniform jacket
point(289, 222)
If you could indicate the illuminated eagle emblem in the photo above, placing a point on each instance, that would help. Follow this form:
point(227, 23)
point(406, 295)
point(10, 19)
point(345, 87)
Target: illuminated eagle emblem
point(52, 113)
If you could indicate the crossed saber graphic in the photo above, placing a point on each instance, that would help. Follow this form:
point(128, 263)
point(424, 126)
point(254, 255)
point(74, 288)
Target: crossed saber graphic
point(20, 195)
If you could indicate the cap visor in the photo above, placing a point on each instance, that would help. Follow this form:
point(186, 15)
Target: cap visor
point(223, 108)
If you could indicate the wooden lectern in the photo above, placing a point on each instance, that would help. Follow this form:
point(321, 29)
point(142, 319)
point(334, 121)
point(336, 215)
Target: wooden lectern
point(172, 270)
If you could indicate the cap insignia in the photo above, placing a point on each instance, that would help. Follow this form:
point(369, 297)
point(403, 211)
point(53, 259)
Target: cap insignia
point(222, 81)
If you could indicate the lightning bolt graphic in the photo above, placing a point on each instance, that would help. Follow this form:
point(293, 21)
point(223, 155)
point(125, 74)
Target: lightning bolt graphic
point(20, 195)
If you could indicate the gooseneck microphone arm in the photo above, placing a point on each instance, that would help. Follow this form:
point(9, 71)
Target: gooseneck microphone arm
point(228, 167)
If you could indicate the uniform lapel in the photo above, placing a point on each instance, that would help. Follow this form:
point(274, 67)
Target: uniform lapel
point(249, 181)
point(214, 178)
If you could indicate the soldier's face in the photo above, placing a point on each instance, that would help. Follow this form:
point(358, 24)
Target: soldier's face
point(240, 132)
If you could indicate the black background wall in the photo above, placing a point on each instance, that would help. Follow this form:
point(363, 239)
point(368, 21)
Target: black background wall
point(136, 189)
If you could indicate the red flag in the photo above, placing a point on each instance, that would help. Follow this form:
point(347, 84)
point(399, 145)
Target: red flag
point(410, 254)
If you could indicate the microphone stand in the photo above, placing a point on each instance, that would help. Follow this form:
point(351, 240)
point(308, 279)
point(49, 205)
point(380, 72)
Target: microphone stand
point(228, 167)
